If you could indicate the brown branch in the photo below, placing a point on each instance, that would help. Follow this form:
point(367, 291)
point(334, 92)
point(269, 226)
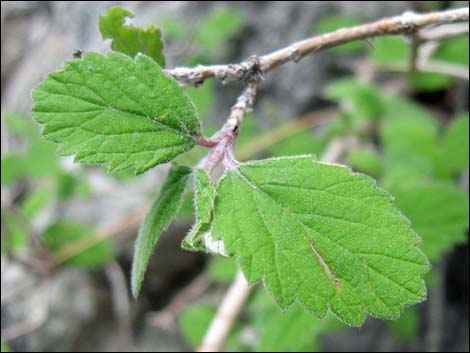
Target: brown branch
point(407, 23)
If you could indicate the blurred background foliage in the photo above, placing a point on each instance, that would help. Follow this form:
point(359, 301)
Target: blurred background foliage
point(404, 133)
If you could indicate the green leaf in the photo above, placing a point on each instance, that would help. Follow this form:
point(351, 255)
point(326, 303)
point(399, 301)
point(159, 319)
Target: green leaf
point(203, 97)
point(320, 235)
point(367, 161)
point(173, 28)
point(59, 235)
point(406, 327)
point(12, 168)
point(438, 212)
point(455, 144)
point(5, 347)
point(453, 51)
point(163, 210)
point(40, 161)
point(304, 142)
point(194, 322)
point(331, 24)
point(217, 27)
point(129, 39)
point(222, 269)
point(410, 146)
point(36, 201)
point(115, 110)
point(389, 50)
point(69, 185)
point(292, 331)
point(15, 233)
point(204, 203)
point(21, 125)
point(360, 100)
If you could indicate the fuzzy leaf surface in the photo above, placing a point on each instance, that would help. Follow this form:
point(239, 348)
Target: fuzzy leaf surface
point(165, 207)
point(320, 235)
point(114, 110)
point(204, 196)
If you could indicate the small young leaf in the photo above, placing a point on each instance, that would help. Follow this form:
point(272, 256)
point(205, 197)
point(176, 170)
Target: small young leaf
point(320, 235)
point(162, 212)
point(115, 110)
point(204, 203)
point(129, 39)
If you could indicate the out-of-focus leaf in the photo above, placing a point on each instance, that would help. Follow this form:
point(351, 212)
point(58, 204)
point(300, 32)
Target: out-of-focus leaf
point(360, 100)
point(15, 233)
point(365, 161)
point(21, 125)
point(438, 211)
point(172, 28)
point(294, 330)
point(12, 168)
point(63, 233)
point(455, 144)
point(452, 51)
point(5, 347)
point(304, 142)
point(69, 185)
point(217, 28)
point(194, 322)
point(203, 97)
point(406, 327)
point(222, 269)
point(36, 201)
point(389, 50)
point(410, 145)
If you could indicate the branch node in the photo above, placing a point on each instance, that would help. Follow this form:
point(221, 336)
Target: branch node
point(408, 22)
